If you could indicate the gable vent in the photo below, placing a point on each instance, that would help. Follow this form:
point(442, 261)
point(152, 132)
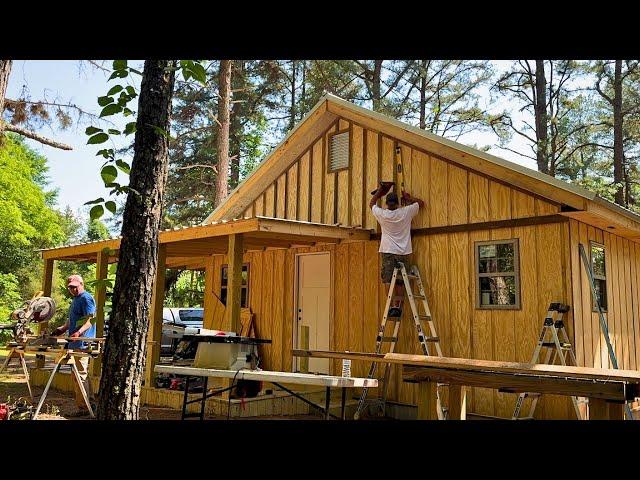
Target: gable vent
point(339, 150)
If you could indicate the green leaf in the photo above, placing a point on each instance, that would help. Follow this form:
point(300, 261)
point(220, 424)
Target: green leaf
point(96, 212)
point(133, 70)
point(119, 74)
point(98, 138)
point(119, 64)
point(102, 101)
point(113, 131)
point(127, 112)
point(92, 202)
point(114, 90)
point(130, 128)
point(111, 206)
point(110, 110)
point(92, 130)
point(105, 152)
point(199, 73)
point(131, 91)
point(109, 174)
point(124, 166)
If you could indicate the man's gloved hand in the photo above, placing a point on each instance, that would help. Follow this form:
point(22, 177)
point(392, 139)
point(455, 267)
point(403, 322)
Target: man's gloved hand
point(75, 334)
point(405, 196)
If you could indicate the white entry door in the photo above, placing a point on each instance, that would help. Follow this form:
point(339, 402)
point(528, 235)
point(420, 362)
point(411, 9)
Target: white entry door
point(313, 304)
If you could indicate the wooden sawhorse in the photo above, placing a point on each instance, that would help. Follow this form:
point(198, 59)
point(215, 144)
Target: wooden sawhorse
point(18, 353)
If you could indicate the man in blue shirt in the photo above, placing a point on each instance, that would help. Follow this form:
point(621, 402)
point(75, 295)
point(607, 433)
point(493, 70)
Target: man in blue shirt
point(81, 313)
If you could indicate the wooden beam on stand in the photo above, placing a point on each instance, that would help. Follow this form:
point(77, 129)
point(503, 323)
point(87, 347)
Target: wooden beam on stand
point(234, 282)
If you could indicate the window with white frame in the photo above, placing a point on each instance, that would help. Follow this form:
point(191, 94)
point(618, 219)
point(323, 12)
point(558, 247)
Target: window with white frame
point(497, 274)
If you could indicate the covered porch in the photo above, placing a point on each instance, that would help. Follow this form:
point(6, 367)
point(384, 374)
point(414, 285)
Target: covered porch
point(200, 248)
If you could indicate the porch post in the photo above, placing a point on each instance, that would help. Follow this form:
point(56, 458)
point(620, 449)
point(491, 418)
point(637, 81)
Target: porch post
point(155, 318)
point(102, 262)
point(234, 282)
point(209, 305)
point(47, 284)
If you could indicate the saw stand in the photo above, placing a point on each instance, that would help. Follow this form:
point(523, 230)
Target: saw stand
point(18, 353)
point(67, 357)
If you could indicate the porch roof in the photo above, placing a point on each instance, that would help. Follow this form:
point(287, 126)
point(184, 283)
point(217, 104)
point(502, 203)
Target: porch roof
point(187, 246)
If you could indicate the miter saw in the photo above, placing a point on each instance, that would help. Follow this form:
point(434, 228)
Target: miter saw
point(38, 310)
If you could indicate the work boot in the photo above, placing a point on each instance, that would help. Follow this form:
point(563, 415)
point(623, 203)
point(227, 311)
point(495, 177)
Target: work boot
point(395, 312)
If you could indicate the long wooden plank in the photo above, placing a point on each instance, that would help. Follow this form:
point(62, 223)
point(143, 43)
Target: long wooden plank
point(357, 179)
point(317, 181)
point(635, 281)
point(259, 205)
point(499, 201)
point(478, 198)
point(268, 287)
point(612, 391)
point(356, 303)
point(304, 187)
point(420, 167)
point(341, 309)
point(278, 299)
point(473, 364)
point(580, 328)
point(615, 324)
point(370, 300)
point(329, 214)
point(289, 313)
point(625, 283)
point(549, 239)
point(281, 200)
point(270, 201)
point(292, 192)
point(438, 195)
point(481, 331)
point(503, 328)
point(458, 211)
point(371, 167)
point(271, 376)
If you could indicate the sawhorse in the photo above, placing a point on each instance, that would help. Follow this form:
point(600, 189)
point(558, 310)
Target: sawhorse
point(66, 357)
point(17, 353)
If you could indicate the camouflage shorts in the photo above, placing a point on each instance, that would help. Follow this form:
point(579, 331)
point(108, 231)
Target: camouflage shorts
point(388, 262)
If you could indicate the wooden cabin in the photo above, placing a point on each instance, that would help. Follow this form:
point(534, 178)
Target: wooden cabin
point(495, 244)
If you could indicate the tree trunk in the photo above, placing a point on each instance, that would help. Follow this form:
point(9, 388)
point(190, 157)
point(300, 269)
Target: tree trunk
point(293, 109)
point(5, 70)
point(618, 150)
point(237, 116)
point(423, 95)
point(125, 353)
point(224, 90)
point(540, 109)
point(376, 81)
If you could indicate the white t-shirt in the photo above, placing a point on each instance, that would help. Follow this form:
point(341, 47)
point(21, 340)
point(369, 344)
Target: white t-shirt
point(396, 228)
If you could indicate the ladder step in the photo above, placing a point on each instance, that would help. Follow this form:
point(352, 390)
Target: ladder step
point(563, 346)
point(426, 317)
point(525, 418)
point(431, 339)
point(419, 297)
point(412, 277)
point(389, 339)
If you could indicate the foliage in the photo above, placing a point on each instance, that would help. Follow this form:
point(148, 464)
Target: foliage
point(187, 291)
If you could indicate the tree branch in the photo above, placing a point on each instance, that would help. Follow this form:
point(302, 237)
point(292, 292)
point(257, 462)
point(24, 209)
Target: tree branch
point(34, 136)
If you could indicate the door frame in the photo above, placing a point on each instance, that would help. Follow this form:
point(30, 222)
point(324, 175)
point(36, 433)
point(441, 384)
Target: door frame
point(329, 253)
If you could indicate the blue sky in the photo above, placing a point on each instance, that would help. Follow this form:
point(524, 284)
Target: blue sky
point(76, 173)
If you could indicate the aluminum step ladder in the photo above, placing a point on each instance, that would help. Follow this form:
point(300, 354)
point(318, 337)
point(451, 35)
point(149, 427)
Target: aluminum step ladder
point(424, 339)
point(554, 339)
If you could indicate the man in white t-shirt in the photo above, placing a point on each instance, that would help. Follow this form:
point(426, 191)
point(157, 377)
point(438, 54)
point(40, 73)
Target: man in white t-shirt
point(395, 243)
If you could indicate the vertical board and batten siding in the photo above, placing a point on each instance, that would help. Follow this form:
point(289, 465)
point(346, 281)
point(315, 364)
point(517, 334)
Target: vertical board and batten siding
point(308, 191)
point(453, 196)
point(622, 266)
